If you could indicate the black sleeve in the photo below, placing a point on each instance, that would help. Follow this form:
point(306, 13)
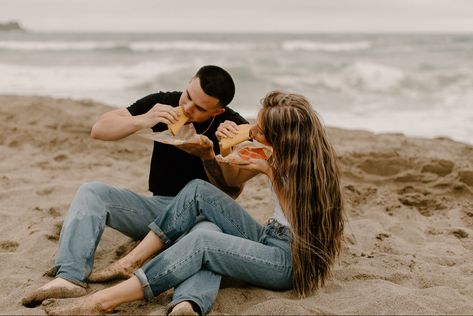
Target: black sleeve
point(145, 104)
point(235, 117)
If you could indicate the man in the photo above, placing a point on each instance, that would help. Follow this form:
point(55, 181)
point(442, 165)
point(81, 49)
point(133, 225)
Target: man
point(96, 205)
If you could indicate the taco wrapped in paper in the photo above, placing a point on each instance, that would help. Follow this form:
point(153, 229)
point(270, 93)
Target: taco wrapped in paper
point(227, 144)
point(244, 151)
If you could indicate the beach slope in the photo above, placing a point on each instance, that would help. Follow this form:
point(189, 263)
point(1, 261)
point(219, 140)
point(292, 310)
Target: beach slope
point(408, 245)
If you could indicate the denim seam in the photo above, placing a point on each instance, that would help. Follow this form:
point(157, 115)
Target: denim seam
point(189, 258)
point(121, 207)
point(237, 227)
point(73, 281)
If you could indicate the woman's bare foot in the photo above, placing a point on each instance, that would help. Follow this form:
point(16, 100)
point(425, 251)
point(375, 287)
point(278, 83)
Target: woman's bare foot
point(119, 270)
point(183, 309)
point(57, 288)
point(78, 306)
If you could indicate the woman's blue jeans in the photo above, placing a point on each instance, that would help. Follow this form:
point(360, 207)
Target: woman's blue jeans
point(244, 249)
point(97, 205)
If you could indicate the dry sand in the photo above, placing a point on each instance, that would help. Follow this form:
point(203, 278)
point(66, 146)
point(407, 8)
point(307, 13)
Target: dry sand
point(409, 205)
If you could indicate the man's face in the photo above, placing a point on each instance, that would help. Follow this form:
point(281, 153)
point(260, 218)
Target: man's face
point(197, 104)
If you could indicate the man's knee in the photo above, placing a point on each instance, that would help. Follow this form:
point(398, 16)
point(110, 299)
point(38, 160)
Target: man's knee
point(90, 199)
point(93, 189)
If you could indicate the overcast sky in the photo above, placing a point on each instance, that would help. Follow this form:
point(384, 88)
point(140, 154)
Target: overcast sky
point(242, 15)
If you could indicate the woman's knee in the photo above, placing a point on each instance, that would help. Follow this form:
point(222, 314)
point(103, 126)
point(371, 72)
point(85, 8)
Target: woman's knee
point(200, 238)
point(206, 225)
point(201, 187)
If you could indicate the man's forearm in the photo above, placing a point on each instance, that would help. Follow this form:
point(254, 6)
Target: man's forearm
point(115, 125)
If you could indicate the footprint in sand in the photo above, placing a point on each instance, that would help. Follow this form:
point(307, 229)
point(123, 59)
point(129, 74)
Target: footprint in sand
point(56, 232)
point(8, 246)
point(466, 176)
point(467, 216)
point(459, 233)
point(45, 191)
point(384, 165)
point(360, 194)
point(60, 157)
point(439, 167)
point(422, 200)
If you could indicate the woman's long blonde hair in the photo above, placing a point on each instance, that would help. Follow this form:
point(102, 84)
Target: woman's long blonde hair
point(306, 176)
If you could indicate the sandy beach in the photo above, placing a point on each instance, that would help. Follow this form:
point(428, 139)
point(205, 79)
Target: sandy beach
point(409, 206)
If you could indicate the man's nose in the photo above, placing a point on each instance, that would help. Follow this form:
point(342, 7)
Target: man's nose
point(188, 108)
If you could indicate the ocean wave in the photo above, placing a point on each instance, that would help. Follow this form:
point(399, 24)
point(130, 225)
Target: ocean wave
point(81, 80)
point(372, 76)
point(136, 46)
point(378, 78)
point(57, 45)
point(326, 46)
point(188, 46)
point(182, 45)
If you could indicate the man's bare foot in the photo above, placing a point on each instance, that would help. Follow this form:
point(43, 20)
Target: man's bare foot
point(119, 270)
point(76, 306)
point(57, 288)
point(183, 309)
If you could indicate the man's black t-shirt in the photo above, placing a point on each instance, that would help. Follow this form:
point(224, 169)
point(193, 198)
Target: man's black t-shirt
point(171, 168)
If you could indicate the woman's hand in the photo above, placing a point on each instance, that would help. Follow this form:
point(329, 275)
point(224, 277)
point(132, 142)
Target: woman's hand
point(226, 129)
point(254, 164)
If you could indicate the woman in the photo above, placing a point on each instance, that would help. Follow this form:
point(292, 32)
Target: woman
point(295, 249)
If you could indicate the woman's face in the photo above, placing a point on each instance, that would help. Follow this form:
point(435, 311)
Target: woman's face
point(256, 131)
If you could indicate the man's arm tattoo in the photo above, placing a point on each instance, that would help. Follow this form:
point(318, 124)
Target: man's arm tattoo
point(215, 173)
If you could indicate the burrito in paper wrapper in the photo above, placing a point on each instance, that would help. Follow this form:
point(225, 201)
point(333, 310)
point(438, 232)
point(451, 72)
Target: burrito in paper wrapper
point(181, 120)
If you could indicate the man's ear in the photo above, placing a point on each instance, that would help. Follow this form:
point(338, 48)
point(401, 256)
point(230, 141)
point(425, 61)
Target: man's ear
point(219, 111)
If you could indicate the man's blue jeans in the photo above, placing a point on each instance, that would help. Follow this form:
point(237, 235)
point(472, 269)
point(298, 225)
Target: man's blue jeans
point(97, 205)
point(244, 250)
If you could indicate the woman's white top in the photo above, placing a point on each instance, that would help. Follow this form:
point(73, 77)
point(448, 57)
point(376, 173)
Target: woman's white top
point(278, 214)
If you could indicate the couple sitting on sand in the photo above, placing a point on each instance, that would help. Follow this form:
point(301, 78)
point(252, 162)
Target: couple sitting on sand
point(192, 230)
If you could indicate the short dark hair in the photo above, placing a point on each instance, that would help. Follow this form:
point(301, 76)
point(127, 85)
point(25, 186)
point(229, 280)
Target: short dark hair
point(217, 82)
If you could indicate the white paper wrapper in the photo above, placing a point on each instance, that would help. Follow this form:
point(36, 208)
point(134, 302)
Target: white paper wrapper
point(186, 135)
point(243, 151)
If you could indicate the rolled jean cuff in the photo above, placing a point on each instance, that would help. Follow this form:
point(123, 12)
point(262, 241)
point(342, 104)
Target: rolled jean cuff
point(73, 281)
point(158, 231)
point(140, 274)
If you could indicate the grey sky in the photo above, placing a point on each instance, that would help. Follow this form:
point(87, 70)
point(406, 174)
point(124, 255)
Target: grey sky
point(242, 15)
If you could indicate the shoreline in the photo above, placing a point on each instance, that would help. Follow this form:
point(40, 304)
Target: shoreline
point(409, 206)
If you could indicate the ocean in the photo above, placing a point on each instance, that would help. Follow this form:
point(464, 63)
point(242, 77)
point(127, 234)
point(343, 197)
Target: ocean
point(419, 85)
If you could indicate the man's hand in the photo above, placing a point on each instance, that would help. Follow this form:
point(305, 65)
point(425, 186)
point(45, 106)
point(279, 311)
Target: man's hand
point(160, 113)
point(200, 146)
